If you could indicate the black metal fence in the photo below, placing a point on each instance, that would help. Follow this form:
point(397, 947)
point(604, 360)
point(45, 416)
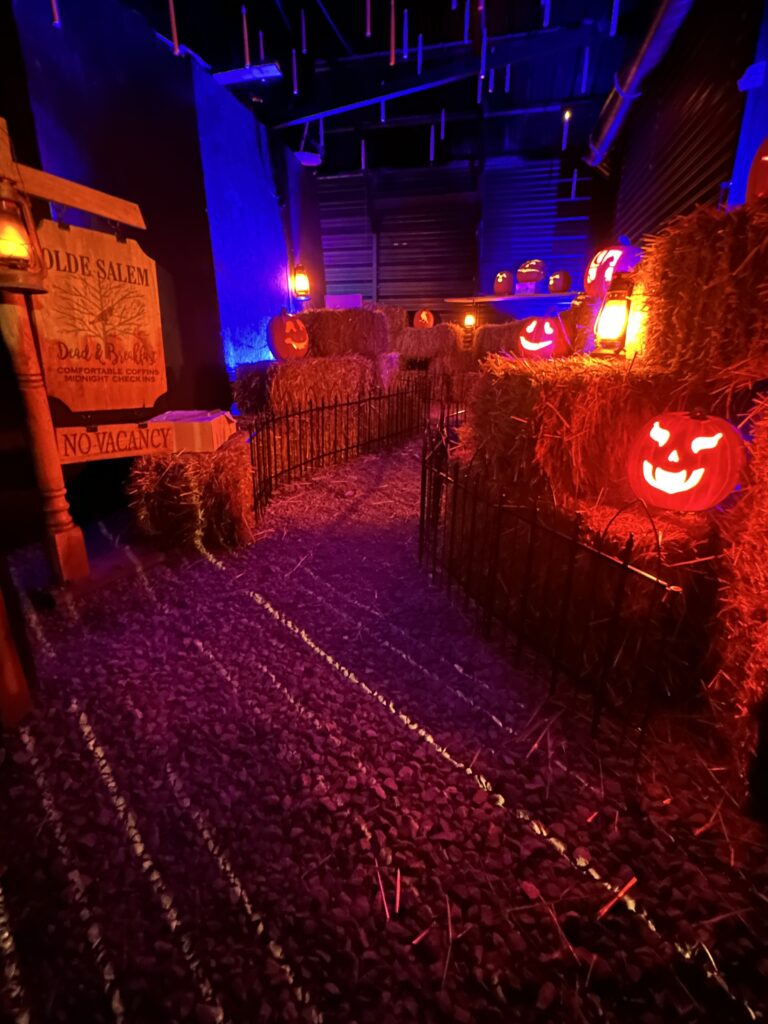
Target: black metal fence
point(570, 605)
point(293, 444)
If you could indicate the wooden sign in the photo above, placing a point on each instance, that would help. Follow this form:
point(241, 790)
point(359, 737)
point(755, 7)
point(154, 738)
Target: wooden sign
point(113, 441)
point(99, 323)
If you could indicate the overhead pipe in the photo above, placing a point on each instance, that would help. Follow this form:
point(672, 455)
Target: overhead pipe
point(669, 17)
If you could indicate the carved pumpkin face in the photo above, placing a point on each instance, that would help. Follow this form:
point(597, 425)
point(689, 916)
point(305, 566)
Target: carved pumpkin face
point(287, 336)
point(542, 338)
point(503, 283)
point(560, 281)
point(424, 318)
point(532, 271)
point(607, 262)
point(685, 463)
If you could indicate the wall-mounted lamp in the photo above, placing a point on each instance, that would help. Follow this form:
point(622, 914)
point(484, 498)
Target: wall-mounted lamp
point(21, 261)
point(470, 320)
point(300, 282)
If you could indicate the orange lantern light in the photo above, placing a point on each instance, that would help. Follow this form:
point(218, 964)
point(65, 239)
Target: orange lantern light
point(470, 320)
point(611, 324)
point(684, 462)
point(21, 262)
point(300, 282)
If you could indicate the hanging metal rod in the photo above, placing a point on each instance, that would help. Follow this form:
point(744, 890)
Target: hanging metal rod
point(508, 49)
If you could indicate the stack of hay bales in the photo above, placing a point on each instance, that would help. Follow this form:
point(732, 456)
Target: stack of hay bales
point(185, 499)
point(496, 338)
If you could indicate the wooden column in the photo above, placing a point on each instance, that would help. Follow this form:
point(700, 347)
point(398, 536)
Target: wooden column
point(64, 540)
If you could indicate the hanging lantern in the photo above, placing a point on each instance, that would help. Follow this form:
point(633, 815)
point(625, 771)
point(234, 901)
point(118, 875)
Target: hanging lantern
point(684, 462)
point(605, 264)
point(503, 283)
point(21, 261)
point(287, 337)
point(543, 338)
point(560, 281)
point(470, 320)
point(611, 324)
point(424, 318)
point(300, 282)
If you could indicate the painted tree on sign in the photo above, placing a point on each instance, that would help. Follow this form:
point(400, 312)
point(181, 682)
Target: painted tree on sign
point(100, 308)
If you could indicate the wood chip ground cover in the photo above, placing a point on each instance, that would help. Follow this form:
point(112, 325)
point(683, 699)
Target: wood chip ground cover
point(234, 760)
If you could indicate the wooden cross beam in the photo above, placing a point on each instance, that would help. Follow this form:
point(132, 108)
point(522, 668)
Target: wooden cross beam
point(68, 193)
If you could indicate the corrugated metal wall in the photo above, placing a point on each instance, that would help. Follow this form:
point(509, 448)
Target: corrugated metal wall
point(426, 223)
point(677, 147)
point(401, 236)
point(531, 210)
point(348, 241)
point(419, 236)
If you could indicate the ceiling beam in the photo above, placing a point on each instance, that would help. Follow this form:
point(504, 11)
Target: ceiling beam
point(414, 120)
point(403, 80)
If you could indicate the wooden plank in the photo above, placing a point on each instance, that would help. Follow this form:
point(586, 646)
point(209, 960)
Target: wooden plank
point(59, 190)
point(113, 441)
point(81, 197)
point(101, 337)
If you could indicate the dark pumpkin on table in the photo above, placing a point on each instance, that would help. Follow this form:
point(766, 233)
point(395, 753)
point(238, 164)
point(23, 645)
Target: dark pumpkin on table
point(685, 462)
point(504, 283)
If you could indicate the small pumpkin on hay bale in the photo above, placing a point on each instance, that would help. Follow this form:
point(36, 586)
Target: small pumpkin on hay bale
point(184, 498)
point(337, 332)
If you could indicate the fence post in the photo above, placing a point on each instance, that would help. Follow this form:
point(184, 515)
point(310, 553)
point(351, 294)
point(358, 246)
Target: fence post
point(573, 547)
point(493, 568)
point(527, 579)
point(611, 640)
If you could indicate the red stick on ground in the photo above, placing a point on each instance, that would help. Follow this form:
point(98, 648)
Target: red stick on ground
point(397, 892)
point(615, 899)
point(381, 890)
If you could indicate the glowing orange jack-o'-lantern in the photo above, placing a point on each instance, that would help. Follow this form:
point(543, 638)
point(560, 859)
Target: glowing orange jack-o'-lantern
point(503, 283)
point(531, 272)
point(543, 338)
point(424, 318)
point(619, 259)
point(287, 336)
point(685, 463)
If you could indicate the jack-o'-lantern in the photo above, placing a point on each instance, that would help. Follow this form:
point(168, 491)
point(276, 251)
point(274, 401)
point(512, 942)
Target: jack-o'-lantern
point(618, 259)
point(560, 281)
point(503, 283)
point(684, 462)
point(542, 337)
point(531, 272)
point(287, 337)
point(424, 318)
point(757, 182)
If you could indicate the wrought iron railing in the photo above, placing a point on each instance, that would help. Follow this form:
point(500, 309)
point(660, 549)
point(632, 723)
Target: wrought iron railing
point(293, 444)
point(574, 607)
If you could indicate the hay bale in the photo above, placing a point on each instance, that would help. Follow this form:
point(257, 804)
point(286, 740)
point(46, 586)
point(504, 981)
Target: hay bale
point(707, 307)
point(495, 337)
point(562, 426)
point(336, 332)
point(743, 680)
point(183, 498)
point(281, 386)
point(387, 369)
point(396, 317)
point(428, 342)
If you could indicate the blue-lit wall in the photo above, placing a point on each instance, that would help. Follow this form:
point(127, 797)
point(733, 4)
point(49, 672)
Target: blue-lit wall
point(114, 109)
point(754, 125)
point(247, 237)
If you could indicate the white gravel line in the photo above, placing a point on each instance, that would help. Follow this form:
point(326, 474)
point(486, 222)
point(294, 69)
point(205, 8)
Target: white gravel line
point(16, 997)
